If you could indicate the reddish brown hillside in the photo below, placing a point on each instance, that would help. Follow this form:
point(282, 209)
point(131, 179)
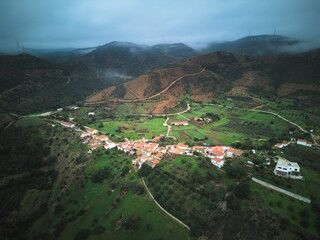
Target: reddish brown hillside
point(206, 77)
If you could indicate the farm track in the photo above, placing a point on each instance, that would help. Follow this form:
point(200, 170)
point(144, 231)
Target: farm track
point(275, 114)
point(151, 97)
point(280, 190)
point(165, 211)
point(292, 123)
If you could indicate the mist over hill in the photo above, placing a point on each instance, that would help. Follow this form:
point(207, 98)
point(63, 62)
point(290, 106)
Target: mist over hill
point(70, 75)
point(225, 74)
point(133, 59)
point(260, 45)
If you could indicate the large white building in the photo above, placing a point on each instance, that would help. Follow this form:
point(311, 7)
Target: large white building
point(304, 143)
point(287, 169)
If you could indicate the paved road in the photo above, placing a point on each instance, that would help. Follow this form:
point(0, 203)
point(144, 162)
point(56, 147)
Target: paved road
point(290, 194)
point(165, 211)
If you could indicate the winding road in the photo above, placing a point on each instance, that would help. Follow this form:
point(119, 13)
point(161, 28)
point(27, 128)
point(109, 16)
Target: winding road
point(150, 97)
point(275, 114)
point(283, 118)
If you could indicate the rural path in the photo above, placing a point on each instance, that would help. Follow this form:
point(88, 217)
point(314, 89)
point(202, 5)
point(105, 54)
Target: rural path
point(165, 211)
point(162, 114)
point(147, 98)
point(179, 113)
point(45, 114)
point(281, 190)
point(11, 89)
point(10, 124)
point(168, 132)
point(166, 122)
point(283, 118)
point(153, 96)
point(277, 115)
point(130, 90)
point(255, 108)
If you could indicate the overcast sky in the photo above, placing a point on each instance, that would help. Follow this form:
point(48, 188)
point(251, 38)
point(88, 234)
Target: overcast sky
point(84, 23)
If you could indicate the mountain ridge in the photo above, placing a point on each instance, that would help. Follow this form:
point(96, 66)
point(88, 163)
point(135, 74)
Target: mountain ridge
point(259, 45)
point(226, 74)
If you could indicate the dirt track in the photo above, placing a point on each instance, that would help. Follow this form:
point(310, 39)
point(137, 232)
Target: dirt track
point(153, 96)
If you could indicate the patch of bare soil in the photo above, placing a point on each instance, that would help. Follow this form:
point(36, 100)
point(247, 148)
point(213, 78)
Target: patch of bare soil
point(176, 90)
point(168, 75)
point(238, 91)
point(102, 95)
point(203, 97)
point(137, 87)
point(162, 106)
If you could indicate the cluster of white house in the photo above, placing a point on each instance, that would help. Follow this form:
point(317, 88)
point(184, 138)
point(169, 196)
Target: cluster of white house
point(302, 142)
point(149, 151)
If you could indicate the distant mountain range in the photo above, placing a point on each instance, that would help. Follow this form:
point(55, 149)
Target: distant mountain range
point(256, 45)
point(29, 83)
point(226, 74)
point(132, 59)
point(60, 56)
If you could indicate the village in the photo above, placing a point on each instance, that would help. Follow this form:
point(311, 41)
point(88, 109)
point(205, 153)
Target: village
point(149, 151)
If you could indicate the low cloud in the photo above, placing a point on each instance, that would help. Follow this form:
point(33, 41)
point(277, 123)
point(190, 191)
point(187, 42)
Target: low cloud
point(84, 23)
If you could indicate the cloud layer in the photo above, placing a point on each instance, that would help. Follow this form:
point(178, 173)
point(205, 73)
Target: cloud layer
point(83, 23)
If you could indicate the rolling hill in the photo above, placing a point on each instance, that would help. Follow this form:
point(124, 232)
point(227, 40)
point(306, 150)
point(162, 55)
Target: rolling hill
point(133, 59)
point(30, 84)
point(259, 45)
point(59, 56)
point(224, 74)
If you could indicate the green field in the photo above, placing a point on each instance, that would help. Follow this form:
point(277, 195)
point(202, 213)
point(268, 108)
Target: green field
point(233, 125)
point(134, 129)
point(296, 212)
point(110, 209)
point(29, 121)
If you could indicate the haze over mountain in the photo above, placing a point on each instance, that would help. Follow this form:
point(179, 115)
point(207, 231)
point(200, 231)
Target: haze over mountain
point(26, 80)
point(30, 84)
point(210, 76)
point(133, 59)
point(259, 45)
point(80, 24)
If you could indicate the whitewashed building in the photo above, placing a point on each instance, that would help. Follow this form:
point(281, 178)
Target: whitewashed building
point(287, 169)
point(304, 142)
point(67, 124)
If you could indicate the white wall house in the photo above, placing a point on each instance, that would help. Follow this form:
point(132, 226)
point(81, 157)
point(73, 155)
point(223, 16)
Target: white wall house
point(217, 162)
point(179, 123)
point(287, 169)
point(109, 145)
point(281, 145)
point(304, 142)
point(67, 124)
